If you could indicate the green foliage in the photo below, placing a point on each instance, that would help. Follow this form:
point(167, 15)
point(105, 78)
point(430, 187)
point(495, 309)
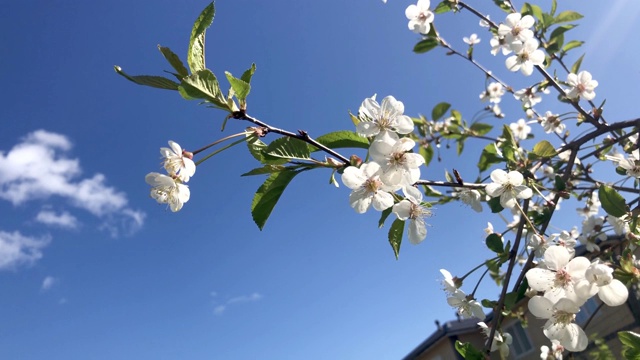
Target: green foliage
point(494, 205)
point(257, 149)
point(395, 236)
point(544, 149)
point(148, 80)
point(383, 217)
point(288, 148)
point(488, 157)
point(427, 153)
point(612, 202)
point(240, 87)
point(175, 62)
point(443, 7)
point(468, 352)
point(425, 45)
point(268, 195)
point(494, 243)
point(576, 66)
point(341, 139)
point(567, 16)
point(204, 85)
point(439, 110)
point(602, 350)
point(248, 74)
point(195, 54)
point(267, 169)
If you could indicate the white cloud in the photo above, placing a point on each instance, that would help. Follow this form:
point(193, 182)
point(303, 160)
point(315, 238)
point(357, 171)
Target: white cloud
point(220, 309)
point(17, 249)
point(63, 219)
point(39, 168)
point(48, 283)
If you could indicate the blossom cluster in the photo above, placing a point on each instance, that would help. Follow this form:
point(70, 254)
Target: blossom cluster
point(566, 283)
point(170, 189)
point(392, 167)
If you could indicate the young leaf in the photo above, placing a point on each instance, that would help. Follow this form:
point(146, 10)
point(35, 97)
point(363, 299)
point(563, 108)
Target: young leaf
point(288, 148)
point(544, 149)
point(442, 7)
point(494, 243)
point(395, 236)
point(572, 45)
point(612, 202)
point(174, 61)
point(267, 169)
point(383, 217)
point(427, 153)
point(630, 339)
point(576, 65)
point(567, 16)
point(148, 80)
point(439, 110)
point(494, 205)
point(203, 85)
point(489, 157)
point(341, 139)
point(195, 54)
point(240, 87)
point(467, 350)
point(425, 45)
point(248, 74)
point(480, 128)
point(268, 195)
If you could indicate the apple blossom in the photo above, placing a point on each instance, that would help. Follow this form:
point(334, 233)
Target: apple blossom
point(467, 308)
point(620, 226)
point(498, 43)
point(520, 129)
point(582, 86)
point(470, 197)
point(367, 188)
point(528, 97)
point(411, 208)
point(420, 17)
point(500, 341)
point(472, 39)
point(167, 190)
point(552, 123)
point(558, 274)
point(517, 28)
point(398, 166)
point(527, 55)
point(508, 186)
point(553, 353)
point(493, 93)
point(599, 280)
point(178, 162)
point(449, 283)
point(560, 325)
point(376, 119)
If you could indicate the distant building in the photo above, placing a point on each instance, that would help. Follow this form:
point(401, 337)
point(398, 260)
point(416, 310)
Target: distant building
point(528, 340)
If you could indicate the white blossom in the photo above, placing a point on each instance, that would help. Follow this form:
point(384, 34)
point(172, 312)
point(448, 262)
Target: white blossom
point(448, 283)
point(552, 123)
point(377, 119)
point(599, 280)
point(499, 43)
point(508, 186)
point(560, 325)
point(420, 17)
point(500, 341)
point(493, 93)
point(517, 28)
point(472, 39)
point(553, 353)
point(399, 167)
point(528, 96)
point(168, 190)
point(467, 308)
point(470, 197)
point(367, 188)
point(558, 274)
point(582, 85)
point(520, 129)
point(177, 162)
point(410, 208)
point(527, 55)
point(620, 227)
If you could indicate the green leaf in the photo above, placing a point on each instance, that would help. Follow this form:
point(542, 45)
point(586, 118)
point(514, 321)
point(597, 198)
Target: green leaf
point(439, 110)
point(240, 87)
point(494, 205)
point(534, 10)
point(288, 148)
point(572, 45)
point(561, 30)
point(425, 45)
point(467, 350)
point(554, 6)
point(576, 66)
point(427, 153)
point(195, 54)
point(257, 149)
point(395, 236)
point(268, 195)
point(612, 202)
point(383, 217)
point(501, 4)
point(555, 45)
point(203, 85)
point(480, 128)
point(631, 342)
point(174, 61)
point(544, 149)
point(567, 16)
point(267, 169)
point(341, 139)
point(488, 157)
point(148, 80)
point(443, 7)
point(248, 74)
point(494, 243)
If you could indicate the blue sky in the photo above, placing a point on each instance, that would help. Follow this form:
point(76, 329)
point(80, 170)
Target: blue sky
point(92, 268)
